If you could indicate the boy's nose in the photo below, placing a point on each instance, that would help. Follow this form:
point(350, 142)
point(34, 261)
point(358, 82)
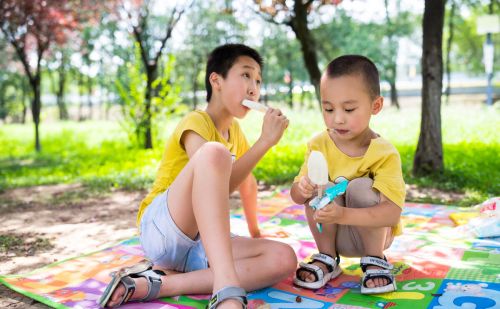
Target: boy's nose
point(339, 118)
point(252, 89)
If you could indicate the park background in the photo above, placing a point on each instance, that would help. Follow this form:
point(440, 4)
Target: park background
point(90, 90)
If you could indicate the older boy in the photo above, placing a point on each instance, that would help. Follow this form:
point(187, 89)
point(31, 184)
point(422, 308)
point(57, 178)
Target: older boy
point(184, 221)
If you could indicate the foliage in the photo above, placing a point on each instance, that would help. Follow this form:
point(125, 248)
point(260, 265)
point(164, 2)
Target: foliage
point(132, 93)
point(207, 27)
point(75, 153)
point(467, 49)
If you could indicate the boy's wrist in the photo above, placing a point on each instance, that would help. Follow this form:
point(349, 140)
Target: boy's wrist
point(263, 143)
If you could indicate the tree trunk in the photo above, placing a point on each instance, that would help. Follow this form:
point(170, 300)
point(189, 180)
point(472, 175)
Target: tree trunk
point(299, 26)
point(80, 94)
point(394, 94)
point(195, 89)
point(151, 75)
point(35, 108)
point(448, 50)
point(25, 108)
point(89, 97)
point(63, 110)
point(429, 155)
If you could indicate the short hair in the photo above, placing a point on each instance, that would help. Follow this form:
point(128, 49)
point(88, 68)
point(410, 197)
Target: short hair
point(222, 58)
point(356, 64)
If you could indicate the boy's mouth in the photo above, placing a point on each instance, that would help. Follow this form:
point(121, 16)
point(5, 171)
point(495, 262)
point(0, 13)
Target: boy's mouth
point(341, 132)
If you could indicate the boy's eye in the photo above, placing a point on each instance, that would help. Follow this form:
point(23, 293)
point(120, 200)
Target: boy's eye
point(246, 75)
point(350, 110)
point(328, 110)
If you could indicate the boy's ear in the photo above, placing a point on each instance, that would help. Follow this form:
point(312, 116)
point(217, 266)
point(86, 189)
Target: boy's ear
point(214, 80)
point(377, 105)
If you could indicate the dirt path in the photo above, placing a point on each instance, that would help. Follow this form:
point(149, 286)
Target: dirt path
point(45, 224)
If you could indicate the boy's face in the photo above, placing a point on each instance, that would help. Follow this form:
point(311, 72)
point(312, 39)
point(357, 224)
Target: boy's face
point(243, 81)
point(347, 105)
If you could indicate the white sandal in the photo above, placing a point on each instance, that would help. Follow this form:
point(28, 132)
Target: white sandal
point(321, 278)
point(377, 273)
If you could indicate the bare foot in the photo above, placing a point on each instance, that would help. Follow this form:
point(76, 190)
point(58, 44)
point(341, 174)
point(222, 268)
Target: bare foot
point(308, 276)
point(141, 290)
point(376, 282)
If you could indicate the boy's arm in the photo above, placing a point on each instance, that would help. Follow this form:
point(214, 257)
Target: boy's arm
point(296, 196)
point(273, 127)
point(248, 193)
point(384, 214)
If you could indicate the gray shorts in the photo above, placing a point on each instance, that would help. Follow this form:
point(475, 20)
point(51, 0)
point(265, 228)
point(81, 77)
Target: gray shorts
point(165, 244)
point(359, 194)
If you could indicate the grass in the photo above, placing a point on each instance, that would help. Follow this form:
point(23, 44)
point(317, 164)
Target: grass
point(99, 155)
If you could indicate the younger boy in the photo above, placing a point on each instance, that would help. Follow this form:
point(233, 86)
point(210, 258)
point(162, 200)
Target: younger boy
point(364, 221)
point(184, 221)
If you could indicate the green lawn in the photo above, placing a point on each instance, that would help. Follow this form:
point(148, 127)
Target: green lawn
point(99, 155)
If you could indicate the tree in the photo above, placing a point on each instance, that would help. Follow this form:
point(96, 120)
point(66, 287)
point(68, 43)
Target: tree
point(151, 35)
point(209, 26)
point(375, 40)
point(296, 17)
point(429, 155)
point(58, 69)
point(133, 99)
point(31, 27)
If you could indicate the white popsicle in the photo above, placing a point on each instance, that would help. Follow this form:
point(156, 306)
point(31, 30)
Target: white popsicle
point(317, 170)
point(254, 105)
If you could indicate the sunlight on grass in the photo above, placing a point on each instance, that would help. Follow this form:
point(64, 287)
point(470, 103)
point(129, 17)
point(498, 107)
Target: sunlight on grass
point(98, 153)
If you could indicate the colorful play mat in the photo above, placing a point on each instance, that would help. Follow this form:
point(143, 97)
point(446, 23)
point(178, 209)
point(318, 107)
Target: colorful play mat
point(448, 257)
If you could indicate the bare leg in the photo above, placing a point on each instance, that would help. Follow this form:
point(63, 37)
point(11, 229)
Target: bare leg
point(198, 202)
point(375, 240)
point(259, 263)
point(248, 193)
point(325, 241)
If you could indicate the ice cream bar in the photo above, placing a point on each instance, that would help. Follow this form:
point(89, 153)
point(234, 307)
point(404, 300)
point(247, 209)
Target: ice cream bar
point(254, 105)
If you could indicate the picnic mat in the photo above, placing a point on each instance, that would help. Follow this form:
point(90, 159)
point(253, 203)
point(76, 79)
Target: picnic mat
point(438, 264)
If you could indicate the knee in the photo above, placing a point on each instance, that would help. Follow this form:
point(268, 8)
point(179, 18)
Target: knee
point(214, 154)
point(360, 194)
point(284, 260)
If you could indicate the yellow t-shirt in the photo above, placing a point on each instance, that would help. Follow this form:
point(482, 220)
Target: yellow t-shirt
point(175, 156)
point(381, 162)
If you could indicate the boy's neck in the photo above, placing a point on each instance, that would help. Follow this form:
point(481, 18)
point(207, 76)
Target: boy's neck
point(220, 116)
point(357, 146)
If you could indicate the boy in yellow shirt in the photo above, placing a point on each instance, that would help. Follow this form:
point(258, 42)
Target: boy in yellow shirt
point(184, 220)
point(363, 221)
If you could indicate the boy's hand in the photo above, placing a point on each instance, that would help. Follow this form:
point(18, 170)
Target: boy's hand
point(330, 214)
point(306, 188)
point(273, 126)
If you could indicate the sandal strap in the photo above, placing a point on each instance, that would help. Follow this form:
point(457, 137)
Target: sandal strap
point(129, 285)
point(326, 259)
point(317, 271)
point(313, 269)
point(374, 261)
point(378, 273)
point(153, 276)
point(229, 292)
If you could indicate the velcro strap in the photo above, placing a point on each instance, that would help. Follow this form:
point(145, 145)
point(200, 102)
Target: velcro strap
point(375, 261)
point(324, 258)
point(229, 292)
point(154, 284)
point(373, 272)
point(129, 285)
point(314, 269)
point(378, 273)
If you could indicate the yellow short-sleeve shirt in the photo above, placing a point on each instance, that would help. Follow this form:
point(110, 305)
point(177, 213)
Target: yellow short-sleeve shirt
point(175, 157)
point(381, 162)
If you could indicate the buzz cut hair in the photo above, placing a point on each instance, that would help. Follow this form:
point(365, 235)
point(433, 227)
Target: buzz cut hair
point(356, 65)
